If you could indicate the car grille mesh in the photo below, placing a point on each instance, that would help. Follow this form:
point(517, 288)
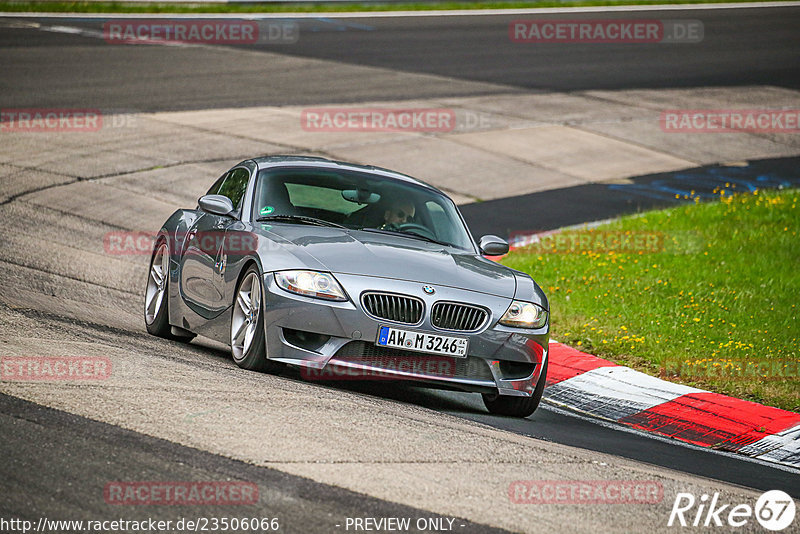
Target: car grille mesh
point(397, 308)
point(454, 316)
point(433, 365)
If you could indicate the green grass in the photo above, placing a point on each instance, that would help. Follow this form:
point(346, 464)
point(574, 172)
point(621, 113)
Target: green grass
point(277, 7)
point(715, 307)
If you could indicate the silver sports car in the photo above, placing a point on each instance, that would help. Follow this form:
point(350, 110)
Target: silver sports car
point(349, 272)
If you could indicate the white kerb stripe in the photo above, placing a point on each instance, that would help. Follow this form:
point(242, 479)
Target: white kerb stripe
point(615, 392)
point(783, 447)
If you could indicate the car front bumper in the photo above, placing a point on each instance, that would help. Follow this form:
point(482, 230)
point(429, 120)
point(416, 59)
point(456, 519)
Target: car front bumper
point(336, 340)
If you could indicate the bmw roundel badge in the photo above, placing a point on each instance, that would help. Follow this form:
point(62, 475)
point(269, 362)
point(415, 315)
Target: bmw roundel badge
point(429, 290)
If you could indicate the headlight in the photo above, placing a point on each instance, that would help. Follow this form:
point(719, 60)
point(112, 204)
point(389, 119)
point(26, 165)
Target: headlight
point(310, 284)
point(524, 315)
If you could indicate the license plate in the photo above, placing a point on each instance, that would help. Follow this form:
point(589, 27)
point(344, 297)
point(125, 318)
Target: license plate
point(422, 342)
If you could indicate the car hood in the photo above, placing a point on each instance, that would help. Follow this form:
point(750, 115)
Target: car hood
point(396, 257)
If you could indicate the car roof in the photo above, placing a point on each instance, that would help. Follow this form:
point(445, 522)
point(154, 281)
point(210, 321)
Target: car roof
point(266, 162)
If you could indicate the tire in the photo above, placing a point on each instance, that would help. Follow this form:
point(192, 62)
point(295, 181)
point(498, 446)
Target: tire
point(516, 406)
point(156, 302)
point(247, 340)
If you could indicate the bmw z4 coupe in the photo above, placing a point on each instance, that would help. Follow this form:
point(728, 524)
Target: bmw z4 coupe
point(349, 271)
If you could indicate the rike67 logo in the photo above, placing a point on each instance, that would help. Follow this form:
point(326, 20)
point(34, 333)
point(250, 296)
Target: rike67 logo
point(774, 510)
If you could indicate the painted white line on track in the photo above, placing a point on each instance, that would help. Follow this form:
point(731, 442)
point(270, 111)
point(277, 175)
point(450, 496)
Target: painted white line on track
point(395, 14)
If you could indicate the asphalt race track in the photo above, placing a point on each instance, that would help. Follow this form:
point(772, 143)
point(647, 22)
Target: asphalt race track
point(741, 47)
point(118, 453)
point(48, 469)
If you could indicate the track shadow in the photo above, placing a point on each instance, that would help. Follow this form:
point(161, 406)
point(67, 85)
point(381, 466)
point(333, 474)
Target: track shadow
point(548, 210)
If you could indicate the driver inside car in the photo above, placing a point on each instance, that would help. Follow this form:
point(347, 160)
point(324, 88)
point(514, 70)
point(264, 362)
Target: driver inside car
point(397, 214)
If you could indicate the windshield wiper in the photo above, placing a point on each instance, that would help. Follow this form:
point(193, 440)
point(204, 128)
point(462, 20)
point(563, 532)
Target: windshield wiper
point(407, 234)
point(300, 219)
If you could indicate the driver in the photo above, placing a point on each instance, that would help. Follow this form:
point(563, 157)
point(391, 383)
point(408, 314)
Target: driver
point(397, 214)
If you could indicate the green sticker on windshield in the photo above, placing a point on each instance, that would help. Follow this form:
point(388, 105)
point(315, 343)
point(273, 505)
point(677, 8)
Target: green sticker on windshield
point(266, 210)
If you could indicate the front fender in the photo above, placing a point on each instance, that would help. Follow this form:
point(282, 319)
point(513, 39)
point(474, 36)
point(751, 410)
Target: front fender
point(529, 291)
point(175, 231)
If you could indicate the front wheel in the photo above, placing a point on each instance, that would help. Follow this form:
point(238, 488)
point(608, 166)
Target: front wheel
point(248, 344)
point(517, 406)
point(156, 312)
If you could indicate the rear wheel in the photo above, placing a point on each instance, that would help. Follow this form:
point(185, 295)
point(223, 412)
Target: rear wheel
point(517, 406)
point(156, 312)
point(248, 344)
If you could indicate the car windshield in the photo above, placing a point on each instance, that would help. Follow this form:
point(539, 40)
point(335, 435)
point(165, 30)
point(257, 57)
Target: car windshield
point(359, 201)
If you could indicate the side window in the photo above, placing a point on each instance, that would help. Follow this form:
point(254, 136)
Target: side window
point(215, 188)
point(235, 186)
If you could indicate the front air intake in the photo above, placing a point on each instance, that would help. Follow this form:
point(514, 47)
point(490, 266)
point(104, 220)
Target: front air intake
point(457, 316)
point(395, 308)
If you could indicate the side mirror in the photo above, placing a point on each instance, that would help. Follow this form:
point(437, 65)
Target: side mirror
point(216, 204)
point(491, 245)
